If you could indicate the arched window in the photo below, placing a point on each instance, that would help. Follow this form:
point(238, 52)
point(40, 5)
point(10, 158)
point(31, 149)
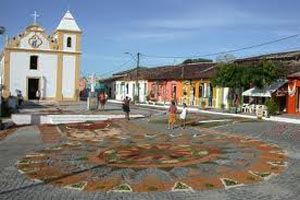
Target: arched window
point(69, 42)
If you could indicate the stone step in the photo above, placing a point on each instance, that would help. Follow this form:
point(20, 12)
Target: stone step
point(26, 119)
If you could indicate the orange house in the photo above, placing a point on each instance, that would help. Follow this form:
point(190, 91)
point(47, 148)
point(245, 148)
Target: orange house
point(293, 97)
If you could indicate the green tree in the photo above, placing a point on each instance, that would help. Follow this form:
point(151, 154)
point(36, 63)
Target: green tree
point(225, 58)
point(229, 75)
point(239, 76)
point(264, 74)
point(197, 60)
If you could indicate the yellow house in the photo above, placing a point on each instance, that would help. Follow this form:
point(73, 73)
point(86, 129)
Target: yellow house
point(197, 93)
point(195, 88)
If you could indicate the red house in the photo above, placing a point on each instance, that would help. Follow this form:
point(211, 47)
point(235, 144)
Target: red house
point(293, 98)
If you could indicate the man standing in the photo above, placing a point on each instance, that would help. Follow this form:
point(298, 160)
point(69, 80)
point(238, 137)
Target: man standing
point(126, 107)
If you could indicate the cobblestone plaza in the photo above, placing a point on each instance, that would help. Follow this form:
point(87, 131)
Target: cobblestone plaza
point(232, 158)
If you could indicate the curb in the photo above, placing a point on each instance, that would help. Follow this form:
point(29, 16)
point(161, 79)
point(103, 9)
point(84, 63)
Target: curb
point(272, 118)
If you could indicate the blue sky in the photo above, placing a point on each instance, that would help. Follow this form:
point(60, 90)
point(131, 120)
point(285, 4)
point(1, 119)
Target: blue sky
point(172, 28)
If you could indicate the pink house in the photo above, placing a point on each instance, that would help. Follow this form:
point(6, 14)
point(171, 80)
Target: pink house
point(163, 85)
point(163, 91)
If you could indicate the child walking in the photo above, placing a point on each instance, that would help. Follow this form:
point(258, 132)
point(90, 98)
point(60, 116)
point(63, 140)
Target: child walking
point(183, 116)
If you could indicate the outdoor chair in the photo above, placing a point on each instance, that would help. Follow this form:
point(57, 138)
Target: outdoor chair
point(252, 108)
point(265, 111)
point(257, 108)
point(245, 107)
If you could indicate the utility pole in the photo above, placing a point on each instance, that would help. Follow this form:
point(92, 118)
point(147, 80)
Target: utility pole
point(137, 59)
point(137, 75)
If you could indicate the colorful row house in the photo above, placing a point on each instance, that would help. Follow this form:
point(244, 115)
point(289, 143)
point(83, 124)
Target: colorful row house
point(187, 83)
point(190, 83)
point(293, 97)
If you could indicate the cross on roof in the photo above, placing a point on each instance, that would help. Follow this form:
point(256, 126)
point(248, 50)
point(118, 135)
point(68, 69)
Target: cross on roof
point(35, 16)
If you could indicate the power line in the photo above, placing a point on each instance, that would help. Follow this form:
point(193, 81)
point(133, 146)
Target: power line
point(122, 66)
point(225, 52)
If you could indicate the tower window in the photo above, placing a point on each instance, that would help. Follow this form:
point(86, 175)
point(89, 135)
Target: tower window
point(69, 42)
point(33, 62)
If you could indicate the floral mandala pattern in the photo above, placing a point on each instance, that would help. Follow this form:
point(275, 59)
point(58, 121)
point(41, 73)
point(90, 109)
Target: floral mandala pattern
point(119, 156)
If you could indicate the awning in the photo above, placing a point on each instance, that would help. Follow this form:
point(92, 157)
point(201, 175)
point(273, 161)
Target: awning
point(266, 92)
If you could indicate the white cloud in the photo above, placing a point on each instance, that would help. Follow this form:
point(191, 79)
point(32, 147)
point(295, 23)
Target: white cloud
point(207, 17)
point(189, 22)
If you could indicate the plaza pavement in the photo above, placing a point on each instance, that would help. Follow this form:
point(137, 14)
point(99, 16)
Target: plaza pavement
point(286, 185)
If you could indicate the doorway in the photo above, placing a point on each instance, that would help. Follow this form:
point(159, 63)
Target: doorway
point(174, 93)
point(33, 86)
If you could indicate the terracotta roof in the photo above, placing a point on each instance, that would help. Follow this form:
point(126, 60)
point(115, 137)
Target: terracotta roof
point(170, 72)
point(201, 70)
point(126, 72)
point(109, 79)
point(290, 55)
point(184, 71)
point(163, 73)
point(289, 62)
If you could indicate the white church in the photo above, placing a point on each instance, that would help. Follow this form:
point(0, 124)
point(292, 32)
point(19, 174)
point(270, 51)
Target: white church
point(34, 61)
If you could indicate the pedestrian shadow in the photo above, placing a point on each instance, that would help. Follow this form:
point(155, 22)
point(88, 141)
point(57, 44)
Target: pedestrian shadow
point(50, 180)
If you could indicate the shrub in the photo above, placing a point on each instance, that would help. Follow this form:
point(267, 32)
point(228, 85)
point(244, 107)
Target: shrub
point(222, 106)
point(148, 98)
point(272, 107)
point(5, 110)
point(203, 103)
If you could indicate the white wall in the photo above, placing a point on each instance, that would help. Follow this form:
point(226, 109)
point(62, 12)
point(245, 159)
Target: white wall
point(24, 43)
point(143, 90)
point(68, 76)
point(120, 95)
point(225, 96)
point(20, 71)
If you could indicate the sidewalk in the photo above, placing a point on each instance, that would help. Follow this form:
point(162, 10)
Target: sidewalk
point(293, 119)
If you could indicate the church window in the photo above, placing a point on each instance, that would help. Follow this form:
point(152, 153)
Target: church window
point(33, 62)
point(69, 42)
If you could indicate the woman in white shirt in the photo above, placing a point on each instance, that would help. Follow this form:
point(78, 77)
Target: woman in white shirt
point(183, 115)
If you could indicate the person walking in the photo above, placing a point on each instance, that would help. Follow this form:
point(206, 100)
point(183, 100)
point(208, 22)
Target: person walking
point(172, 115)
point(38, 95)
point(20, 97)
point(236, 102)
point(125, 107)
point(183, 116)
point(102, 100)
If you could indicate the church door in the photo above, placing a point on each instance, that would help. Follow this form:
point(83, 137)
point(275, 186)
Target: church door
point(33, 86)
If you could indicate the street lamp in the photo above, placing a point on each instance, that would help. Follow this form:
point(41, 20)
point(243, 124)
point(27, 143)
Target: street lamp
point(137, 58)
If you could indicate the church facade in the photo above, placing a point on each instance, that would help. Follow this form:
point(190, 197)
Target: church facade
point(35, 61)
